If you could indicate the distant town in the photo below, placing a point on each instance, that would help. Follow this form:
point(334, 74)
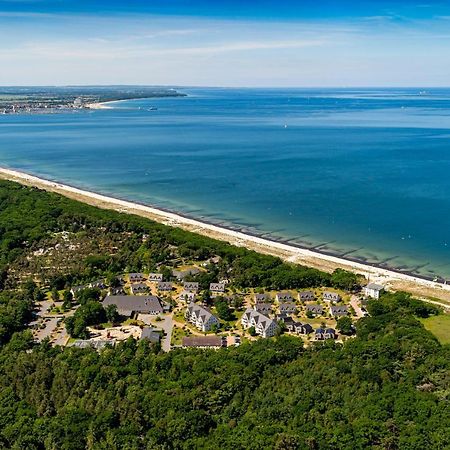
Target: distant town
point(16, 100)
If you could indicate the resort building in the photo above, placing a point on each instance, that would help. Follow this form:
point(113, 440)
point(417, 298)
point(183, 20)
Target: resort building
point(306, 296)
point(373, 290)
point(139, 288)
point(155, 277)
point(190, 286)
point(129, 305)
point(217, 288)
point(136, 277)
point(213, 342)
point(303, 328)
point(164, 286)
point(316, 310)
point(261, 298)
point(284, 297)
point(263, 308)
point(325, 333)
point(187, 296)
point(116, 291)
point(201, 317)
point(288, 308)
point(339, 311)
point(264, 326)
point(99, 284)
point(333, 297)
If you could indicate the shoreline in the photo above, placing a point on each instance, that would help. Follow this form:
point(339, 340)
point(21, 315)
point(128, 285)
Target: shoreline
point(390, 278)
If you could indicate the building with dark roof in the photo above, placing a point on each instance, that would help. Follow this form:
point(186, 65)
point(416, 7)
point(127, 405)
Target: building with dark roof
point(261, 298)
point(136, 277)
point(264, 326)
point(263, 308)
point(164, 286)
point(306, 296)
point(339, 311)
point(191, 286)
point(139, 288)
point(284, 297)
point(217, 288)
point(128, 305)
point(288, 308)
point(213, 342)
point(333, 297)
point(201, 317)
point(316, 310)
point(155, 277)
point(325, 333)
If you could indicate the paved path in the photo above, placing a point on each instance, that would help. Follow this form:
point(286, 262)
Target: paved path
point(167, 325)
point(354, 303)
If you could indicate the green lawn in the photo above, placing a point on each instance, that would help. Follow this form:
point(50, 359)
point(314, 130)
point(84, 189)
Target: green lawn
point(439, 326)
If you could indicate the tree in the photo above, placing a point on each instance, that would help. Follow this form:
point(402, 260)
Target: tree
point(252, 331)
point(67, 299)
point(223, 310)
point(281, 328)
point(343, 279)
point(345, 325)
point(55, 295)
point(111, 313)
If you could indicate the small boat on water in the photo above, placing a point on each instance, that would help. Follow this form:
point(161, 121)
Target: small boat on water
point(152, 108)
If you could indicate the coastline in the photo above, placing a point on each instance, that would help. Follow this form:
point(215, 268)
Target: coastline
point(295, 254)
point(101, 105)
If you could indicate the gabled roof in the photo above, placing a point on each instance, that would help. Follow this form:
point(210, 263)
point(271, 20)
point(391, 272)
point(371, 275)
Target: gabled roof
point(164, 286)
point(260, 319)
point(201, 312)
point(219, 287)
point(314, 308)
point(284, 295)
point(329, 294)
point(339, 310)
point(306, 294)
point(287, 306)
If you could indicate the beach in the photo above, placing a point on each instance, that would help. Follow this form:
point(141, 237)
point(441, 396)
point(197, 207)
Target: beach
point(423, 288)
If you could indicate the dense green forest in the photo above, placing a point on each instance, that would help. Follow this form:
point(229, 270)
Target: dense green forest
point(388, 388)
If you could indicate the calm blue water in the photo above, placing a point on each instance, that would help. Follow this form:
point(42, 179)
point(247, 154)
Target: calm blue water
point(364, 173)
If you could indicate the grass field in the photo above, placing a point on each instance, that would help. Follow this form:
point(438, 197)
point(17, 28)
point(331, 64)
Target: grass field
point(439, 326)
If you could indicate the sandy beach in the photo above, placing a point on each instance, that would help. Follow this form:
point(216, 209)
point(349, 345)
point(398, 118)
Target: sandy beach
point(100, 105)
point(438, 292)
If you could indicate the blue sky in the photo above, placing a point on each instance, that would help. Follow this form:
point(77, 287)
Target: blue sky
point(225, 43)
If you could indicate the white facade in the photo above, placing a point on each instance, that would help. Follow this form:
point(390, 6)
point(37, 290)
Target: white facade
point(373, 290)
point(200, 317)
point(264, 326)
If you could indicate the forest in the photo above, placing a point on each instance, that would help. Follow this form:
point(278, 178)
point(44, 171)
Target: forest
point(387, 388)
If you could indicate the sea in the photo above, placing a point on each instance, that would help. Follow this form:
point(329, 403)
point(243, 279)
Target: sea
point(358, 173)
